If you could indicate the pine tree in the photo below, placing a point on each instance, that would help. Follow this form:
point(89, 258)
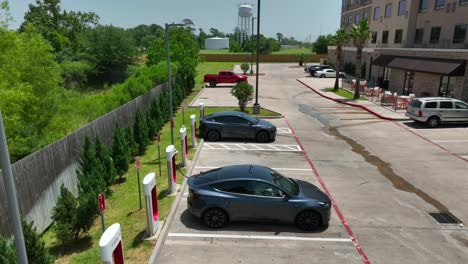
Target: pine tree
point(140, 132)
point(7, 252)
point(87, 158)
point(87, 210)
point(65, 216)
point(164, 106)
point(151, 123)
point(131, 145)
point(36, 250)
point(107, 164)
point(119, 150)
point(155, 111)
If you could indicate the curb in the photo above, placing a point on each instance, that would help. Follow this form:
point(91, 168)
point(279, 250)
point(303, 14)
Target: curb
point(353, 104)
point(174, 207)
point(196, 97)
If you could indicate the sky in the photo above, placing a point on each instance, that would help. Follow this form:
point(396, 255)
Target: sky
point(301, 19)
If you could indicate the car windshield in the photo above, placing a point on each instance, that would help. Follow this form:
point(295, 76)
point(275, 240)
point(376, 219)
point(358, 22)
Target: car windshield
point(285, 183)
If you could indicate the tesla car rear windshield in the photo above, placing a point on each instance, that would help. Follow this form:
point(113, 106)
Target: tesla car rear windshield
point(284, 182)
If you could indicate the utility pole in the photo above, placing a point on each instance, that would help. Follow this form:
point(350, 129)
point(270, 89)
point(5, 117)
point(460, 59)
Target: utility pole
point(256, 106)
point(10, 190)
point(251, 57)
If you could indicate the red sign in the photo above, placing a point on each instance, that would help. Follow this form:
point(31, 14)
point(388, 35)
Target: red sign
point(102, 202)
point(137, 162)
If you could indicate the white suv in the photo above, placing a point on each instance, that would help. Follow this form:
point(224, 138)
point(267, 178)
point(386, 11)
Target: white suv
point(436, 110)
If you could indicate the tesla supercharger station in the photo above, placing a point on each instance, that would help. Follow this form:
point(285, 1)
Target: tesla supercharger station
point(171, 153)
point(184, 145)
point(151, 195)
point(111, 245)
point(193, 122)
point(202, 109)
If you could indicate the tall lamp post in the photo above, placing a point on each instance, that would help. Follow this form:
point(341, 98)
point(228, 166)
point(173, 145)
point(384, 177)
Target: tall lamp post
point(256, 106)
point(169, 80)
point(251, 56)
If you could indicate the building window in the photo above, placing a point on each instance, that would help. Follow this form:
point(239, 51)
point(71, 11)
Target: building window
point(350, 20)
point(418, 36)
point(439, 4)
point(423, 5)
point(459, 34)
point(357, 18)
point(385, 37)
point(388, 10)
point(376, 13)
point(366, 15)
point(435, 35)
point(374, 37)
point(343, 3)
point(402, 8)
point(398, 35)
point(463, 2)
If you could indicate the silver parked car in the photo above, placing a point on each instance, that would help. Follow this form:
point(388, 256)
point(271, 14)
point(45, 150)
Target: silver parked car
point(436, 110)
point(329, 73)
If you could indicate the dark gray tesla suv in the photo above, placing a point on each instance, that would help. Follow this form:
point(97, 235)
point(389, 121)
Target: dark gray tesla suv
point(233, 124)
point(256, 193)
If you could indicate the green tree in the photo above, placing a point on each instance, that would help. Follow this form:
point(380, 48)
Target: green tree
point(279, 37)
point(7, 252)
point(131, 145)
point(35, 247)
point(140, 132)
point(243, 92)
point(111, 50)
point(151, 123)
point(155, 112)
point(201, 38)
point(65, 216)
point(245, 67)
point(5, 16)
point(359, 35)
point(340, 38)
point(104, 158)
point(144, 35)
point(91, 180)
point(320, 46)
point(120, 153)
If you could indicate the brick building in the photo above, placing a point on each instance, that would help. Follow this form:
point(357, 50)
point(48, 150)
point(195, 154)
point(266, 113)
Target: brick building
point(417, 46)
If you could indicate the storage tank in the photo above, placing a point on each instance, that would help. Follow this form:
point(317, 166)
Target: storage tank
point(245, 10)
point(216, 43)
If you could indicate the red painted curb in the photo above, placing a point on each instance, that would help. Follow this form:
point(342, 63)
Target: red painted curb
point(358, 247)
point(383, 117)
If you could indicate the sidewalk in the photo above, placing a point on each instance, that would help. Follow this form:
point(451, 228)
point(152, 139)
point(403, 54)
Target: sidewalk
point(319, 86)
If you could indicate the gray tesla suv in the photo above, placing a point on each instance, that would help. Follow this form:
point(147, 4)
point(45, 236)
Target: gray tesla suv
point(256, 193)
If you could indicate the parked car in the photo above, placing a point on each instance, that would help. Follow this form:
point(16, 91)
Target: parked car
point(233, 124)
point(329, 73)
point(437, 110)
point(224, 77)
point(256, 193)
point(313, 68)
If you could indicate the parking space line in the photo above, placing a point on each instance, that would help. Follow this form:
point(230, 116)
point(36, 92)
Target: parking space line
point(449, 141)
point(283, 130)
point(242, 147)
point(222, 145)
point(275, 148)
point(292, 238)
point(252, 147)
point(255, 146)
point(279, 169)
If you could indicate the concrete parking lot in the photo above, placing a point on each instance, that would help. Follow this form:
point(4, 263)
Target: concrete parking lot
point(386, 179)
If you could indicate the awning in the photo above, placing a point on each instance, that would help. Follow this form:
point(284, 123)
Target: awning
point(436, 66)
point(383, 60)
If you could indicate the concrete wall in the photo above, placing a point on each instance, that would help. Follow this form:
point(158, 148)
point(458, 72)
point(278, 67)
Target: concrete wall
point(38, 177)
point(426, 84)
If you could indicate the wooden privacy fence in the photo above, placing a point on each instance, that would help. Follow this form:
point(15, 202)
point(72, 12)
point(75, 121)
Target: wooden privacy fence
point(38, 177)
point(263, 57)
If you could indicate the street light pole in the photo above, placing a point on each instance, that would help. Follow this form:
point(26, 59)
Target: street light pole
point(10, 190)
point(169, 80)
point(251, 56)
point(256, 106)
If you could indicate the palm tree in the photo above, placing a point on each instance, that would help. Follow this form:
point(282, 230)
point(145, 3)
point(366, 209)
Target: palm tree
point(359, 35)
point(339, 39)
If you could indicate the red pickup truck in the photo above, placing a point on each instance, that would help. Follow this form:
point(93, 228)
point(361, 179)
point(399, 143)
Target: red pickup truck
point(224, 77)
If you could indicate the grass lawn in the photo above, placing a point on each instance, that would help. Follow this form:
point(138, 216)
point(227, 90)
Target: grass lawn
point(345, 93)
point(122, 202)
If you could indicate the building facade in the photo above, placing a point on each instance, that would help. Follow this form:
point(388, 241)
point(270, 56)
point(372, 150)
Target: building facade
point(417, 46)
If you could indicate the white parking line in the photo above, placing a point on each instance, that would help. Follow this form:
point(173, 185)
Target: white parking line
point(252, 147)
point(283, 130)
point(449, 141)
point(292, 238)
point(279, 169)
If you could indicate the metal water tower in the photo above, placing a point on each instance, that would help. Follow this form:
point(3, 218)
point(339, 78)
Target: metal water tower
point(244, 21)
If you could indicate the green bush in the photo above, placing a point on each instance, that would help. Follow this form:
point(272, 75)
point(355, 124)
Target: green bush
point(65, 216)
point(120, 153)
point(103, 156)
point(300, 58)
point(36, 250)
point(131, 145)
point(243, 92)
point(75, 74)
point(245, 67)
point(140, 132)
point(7, 252)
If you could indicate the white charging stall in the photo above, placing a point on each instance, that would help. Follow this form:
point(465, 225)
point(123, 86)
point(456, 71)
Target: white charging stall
point(151, 195)
point(111, 245)
point(184, 145)
point(171, 153)
point(193, 122)
point(201, 106)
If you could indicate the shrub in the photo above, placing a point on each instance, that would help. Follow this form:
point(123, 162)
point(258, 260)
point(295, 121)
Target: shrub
point(151, 123)
point(131, 145)
point(140, 132)
point(7, 252)
point(120, 153)
point(300, 58)
point(75, 73)
point(103, 156)
point(245, 67)
point(36, 250)
point(243, 92)
point(65, 216)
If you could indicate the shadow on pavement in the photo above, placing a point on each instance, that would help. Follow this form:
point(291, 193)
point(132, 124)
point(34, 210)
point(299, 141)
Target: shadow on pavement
point(416, 125)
